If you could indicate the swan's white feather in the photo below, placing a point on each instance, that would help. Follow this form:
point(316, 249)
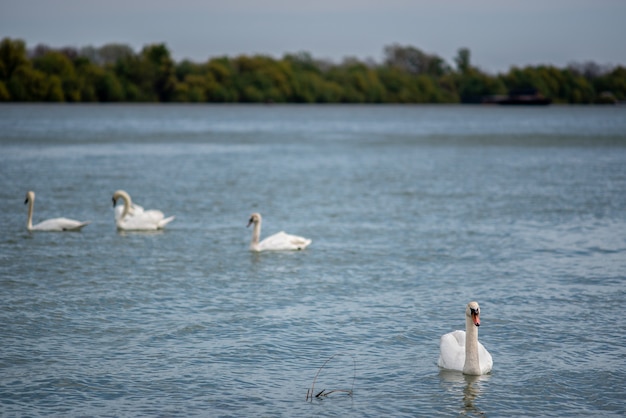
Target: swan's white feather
point(60, 224)
point(283, 241)
point(452, 353)
point(134, 209)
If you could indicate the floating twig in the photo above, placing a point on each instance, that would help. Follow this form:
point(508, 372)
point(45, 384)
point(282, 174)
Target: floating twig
point(324, 393)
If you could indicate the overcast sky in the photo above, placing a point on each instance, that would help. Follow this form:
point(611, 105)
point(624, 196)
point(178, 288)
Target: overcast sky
point(499, 33)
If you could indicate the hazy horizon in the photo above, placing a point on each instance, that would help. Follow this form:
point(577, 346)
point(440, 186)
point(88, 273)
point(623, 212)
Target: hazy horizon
point(499, 34)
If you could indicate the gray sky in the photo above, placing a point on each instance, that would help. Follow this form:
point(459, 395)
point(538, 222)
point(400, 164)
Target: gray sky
point(499, 33)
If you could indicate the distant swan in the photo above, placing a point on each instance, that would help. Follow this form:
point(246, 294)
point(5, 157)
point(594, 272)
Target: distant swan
point(134, 218)
point(277, 242)
point(56, 224)
point(461, 350)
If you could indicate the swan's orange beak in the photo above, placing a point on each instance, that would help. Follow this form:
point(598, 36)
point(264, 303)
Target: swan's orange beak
point(476, 319)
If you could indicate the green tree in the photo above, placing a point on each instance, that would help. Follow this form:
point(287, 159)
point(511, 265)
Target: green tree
point(55, 63)
point(414, 61)
point(463, 61)
point(4, 93)
point(221, 81)
point(473, 85)
point(13, 61)
point(161, 71)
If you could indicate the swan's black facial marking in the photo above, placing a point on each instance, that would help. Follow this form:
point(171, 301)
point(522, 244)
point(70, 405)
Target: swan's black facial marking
point(114, 201)
point(475, 315)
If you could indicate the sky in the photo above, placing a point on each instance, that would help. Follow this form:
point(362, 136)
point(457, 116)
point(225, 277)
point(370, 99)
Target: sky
point(499, 33)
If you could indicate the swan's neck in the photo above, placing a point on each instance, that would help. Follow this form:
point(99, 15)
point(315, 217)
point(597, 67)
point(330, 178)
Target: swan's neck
point(29, 221)
point(127, 204)
point(256, 236)
point(472, 365)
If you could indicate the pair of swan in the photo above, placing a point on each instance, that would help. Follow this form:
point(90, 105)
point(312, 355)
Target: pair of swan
point(280, 241)
point(461, 350)
point(53, 225)
point(132, 217)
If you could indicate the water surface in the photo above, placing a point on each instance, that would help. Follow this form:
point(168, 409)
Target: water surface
point(413, 212)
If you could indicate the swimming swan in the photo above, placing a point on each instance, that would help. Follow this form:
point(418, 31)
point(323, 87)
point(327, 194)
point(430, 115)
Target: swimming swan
point(134, 218)
point(277, 242)
point(461, 350)
point(56, 224)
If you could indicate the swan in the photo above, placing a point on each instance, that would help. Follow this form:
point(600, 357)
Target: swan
point(461, 350)
point(277, 242)
point(133, 217)
point(56, 224)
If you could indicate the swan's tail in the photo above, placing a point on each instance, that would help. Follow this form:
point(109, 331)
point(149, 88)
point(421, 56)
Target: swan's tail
point(165, 221)
point(79, 226)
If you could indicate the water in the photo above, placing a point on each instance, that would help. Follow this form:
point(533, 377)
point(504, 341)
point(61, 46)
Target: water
point(413, 211)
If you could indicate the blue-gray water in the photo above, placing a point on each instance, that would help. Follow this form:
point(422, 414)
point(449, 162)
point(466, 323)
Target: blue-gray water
point(413, 211)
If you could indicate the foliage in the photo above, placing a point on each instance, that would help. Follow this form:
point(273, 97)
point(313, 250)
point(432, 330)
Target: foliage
point(116, 73)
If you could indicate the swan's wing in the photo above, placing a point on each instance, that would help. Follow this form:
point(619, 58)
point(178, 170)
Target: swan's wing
point(282, 241)
point(452, 351)
point(299, 242)
point(157, 217)
point(134, 210)
point(142, 221)
point(148, 220)
point(117, 211)
point(484, 359)
point(60, 224)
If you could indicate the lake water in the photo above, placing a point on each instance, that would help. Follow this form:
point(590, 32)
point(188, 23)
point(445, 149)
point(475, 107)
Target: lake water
point(413, 212)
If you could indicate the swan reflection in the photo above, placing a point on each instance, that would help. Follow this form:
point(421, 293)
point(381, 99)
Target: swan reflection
point(471, 386)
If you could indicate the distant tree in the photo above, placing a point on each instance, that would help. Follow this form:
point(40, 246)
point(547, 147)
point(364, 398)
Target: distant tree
point(612, 83)
point(221, 79)
point(262, 79)
point(114, 72)
point(414, 61)
point(55, 63)
point(12, 57)
point(106, 54)
point(4, 93)
point(463, 61)
point(109, 88)
point(161, 71)
point(589, 69)
point(474, 85)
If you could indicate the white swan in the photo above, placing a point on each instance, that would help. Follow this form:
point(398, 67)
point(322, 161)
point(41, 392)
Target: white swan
point(461, 350)
point(277, 242)
point(134, 218)
point(56, 224)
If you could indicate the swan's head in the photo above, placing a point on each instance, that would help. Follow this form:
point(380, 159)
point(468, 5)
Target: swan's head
point(255, 218)
point(30, 197)
point(118, 194)
point(473, 311)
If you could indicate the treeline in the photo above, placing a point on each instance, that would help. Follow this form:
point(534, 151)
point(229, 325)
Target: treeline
point(116, 73)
